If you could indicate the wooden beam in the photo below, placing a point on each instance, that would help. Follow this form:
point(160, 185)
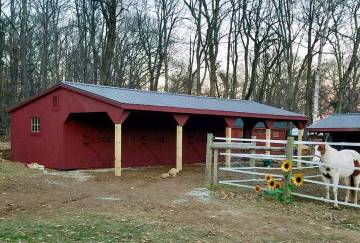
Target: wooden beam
point(252, 151)
point(300, 124)
point(117, 149)
point(299, 147)
point(289, 156)
point(269, 124)
point(228, 151)
point(215, 171)
point(208, 164)
point(180, 119)
point(248, 146)
point(179, 139)
point(118, 117)
point(230, 121)
point(268, 137)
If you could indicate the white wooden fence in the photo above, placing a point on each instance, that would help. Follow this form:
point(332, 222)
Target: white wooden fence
point(247, 149)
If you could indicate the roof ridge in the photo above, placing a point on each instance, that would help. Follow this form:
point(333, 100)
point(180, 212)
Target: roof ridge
point(346, 113)
point(158, 92)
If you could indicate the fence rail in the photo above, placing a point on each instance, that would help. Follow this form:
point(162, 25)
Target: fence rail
point(241, 145)
point(285, 141)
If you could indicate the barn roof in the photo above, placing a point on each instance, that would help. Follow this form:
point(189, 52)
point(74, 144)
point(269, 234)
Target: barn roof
point(133, 99)
point(141, 97)
point(338, 122)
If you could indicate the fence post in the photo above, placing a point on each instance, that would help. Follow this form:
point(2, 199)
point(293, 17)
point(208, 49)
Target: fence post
point(208, 164)
point(215, 167)
point(252, 151)
point(228, 151)
point(289, 156)
point(268, 138)
point(299, 147)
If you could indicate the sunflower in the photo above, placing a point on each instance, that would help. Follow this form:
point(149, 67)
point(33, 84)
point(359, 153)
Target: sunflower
point(286, 166)
point(257, 188)
point(271, 184)
point(298, 179)
point(277, 185)
point(268, 178)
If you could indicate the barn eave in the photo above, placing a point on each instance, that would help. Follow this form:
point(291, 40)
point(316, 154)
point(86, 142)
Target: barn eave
point(168, 109)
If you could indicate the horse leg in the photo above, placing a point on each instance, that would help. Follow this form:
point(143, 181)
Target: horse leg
point(327, 187)
point(347, 183)
point(335, 183)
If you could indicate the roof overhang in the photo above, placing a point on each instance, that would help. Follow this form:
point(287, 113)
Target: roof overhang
point(334, 129)
point(258, 116)
point(62, 85)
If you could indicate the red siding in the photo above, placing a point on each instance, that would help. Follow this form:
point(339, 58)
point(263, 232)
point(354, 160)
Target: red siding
point(89, 141)
point(150, 138)
point(85, 138)
point(48, 148)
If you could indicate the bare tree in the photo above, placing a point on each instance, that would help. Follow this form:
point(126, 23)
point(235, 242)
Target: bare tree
point(327, 7)
point(109, 11)
point(214, 16)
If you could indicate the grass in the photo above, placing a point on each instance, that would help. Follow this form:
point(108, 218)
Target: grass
point(95, 228)
point(9, 170)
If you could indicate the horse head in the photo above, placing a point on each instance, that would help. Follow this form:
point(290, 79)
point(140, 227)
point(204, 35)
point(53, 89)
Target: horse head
point(317, 154)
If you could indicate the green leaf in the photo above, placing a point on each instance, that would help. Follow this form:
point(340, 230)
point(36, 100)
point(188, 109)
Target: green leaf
point(290, 186)
point(280, 190)
point(290, 199)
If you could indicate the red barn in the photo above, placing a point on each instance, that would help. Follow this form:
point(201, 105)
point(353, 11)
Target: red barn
point(339, 127)
point(78, 126)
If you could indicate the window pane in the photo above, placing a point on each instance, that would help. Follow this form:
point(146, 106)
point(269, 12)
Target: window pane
point(35, 124)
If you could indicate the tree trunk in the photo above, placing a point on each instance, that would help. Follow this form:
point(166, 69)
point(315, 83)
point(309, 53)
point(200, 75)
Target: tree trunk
point(26, 86)
point(109, 13)
point(346, 76)
point(323, 34)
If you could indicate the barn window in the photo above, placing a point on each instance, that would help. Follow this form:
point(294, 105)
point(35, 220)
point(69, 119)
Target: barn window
point(35, 124)
point(55, 101)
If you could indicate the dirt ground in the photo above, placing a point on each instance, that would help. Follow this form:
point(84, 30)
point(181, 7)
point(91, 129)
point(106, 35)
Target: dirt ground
point(178, 209)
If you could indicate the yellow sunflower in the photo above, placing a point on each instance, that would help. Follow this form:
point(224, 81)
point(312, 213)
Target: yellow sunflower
point(298, 179)
point(271, 184)
point(277, 184)
point(286, 166)
point(268, 178)
point(257, 188)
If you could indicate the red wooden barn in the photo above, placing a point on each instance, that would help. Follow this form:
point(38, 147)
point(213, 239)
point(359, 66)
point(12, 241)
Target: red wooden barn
point(339, 127)
point(77, 126)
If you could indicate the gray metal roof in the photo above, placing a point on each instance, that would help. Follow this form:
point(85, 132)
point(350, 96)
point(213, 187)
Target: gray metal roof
point(140, 97)
point(338, 121)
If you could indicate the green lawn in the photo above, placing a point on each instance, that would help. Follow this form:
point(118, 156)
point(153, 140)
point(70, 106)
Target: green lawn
point(95, 228)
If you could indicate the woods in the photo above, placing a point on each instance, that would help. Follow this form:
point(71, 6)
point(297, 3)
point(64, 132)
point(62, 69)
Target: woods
point(301, 55)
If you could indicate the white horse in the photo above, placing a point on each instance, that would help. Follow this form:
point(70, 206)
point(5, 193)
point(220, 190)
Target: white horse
point(338, 165)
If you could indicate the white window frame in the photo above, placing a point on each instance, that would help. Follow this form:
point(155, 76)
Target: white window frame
point(35, 124)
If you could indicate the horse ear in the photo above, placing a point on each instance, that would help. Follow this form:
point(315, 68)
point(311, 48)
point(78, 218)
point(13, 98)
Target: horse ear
point(322, 149)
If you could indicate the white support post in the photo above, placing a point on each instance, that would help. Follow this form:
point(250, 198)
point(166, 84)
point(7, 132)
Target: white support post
point(253, 152)
point(228, 151)
point(215, 172)
point(208, 172)
point(299, 147)
point(179, 139)
point(117, 149)
point(268, 138)
point(289, 156)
